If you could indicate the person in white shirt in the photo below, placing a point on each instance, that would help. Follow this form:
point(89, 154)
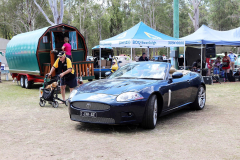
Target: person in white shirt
point(232, 58)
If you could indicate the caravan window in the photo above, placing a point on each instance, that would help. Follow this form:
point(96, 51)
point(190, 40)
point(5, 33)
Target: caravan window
point(45, 39)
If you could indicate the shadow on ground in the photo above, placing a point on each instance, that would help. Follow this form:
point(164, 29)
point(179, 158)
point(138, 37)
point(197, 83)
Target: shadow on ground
point(130, 128)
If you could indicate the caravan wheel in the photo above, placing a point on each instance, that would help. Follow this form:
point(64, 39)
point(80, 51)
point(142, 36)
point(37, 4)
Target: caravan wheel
point(22, 81)
point(28, 84)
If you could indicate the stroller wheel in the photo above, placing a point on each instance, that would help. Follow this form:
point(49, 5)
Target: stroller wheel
point(55, 104)
point(42, 103)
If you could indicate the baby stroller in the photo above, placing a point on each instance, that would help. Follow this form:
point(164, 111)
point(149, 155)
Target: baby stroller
point(49, 92)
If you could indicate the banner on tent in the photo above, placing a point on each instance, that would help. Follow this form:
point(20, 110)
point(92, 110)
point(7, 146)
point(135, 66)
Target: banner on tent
point(139, 43)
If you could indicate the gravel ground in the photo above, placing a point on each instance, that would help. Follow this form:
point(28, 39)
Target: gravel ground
point(28, 131)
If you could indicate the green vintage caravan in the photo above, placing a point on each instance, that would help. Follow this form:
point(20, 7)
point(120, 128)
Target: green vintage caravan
point(30, 55)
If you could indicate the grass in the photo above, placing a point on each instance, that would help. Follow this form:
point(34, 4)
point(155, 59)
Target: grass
point(28, 131)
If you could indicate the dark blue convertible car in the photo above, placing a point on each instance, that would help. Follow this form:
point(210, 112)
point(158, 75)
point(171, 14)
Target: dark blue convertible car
point(137, 93)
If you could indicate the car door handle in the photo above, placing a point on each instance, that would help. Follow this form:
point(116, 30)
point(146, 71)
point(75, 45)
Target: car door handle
point(188, 81)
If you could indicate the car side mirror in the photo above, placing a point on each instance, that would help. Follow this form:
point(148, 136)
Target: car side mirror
point(108, 74)
point(119, 61)
point(170, 80)
point(177, 75)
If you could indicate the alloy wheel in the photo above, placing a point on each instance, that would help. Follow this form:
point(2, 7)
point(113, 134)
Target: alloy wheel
point(201, 97)
point(155, 112)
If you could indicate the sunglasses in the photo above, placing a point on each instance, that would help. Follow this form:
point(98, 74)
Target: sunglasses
point(60, 57)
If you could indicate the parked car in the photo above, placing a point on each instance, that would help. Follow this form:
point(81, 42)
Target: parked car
point(138, 92)
point(123, 59)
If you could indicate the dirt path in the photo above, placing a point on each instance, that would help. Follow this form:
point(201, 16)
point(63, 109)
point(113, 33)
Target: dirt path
point(28, 131)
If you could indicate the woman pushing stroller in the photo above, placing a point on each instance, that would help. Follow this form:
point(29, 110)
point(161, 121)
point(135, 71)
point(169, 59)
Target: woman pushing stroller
point(65, 72)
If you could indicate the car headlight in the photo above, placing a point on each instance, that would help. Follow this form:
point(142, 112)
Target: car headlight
point(72, 94)
point(129, 96)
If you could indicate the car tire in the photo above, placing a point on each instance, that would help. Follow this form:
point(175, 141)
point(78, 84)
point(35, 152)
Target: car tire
point(89, 80)
point(200, 100)
point(22, 81)
point(28, 84)
point(151, 113)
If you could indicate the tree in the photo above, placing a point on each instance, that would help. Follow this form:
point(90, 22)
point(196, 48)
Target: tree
point(57, 15)
point(224, 18)
point(195, 18)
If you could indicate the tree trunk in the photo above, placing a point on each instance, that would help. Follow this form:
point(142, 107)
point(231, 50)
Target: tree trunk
point(195, 17)
point(58, 16)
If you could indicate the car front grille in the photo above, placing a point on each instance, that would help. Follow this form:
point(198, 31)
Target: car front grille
point(93, 120)
point(91, 106)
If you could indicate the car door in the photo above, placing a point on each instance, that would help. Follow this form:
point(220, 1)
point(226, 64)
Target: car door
point(186, 89)
point(178, 92)
point(181, 91)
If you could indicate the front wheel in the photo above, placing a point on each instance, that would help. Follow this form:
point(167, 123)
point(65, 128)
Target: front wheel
point(55, 104)
point(151, 113)
point(42, 102)
point(200, 100)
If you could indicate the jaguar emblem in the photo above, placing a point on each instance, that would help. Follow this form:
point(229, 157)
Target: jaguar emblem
point(88, 105)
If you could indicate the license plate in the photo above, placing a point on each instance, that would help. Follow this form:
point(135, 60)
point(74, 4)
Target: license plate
point(88, 114)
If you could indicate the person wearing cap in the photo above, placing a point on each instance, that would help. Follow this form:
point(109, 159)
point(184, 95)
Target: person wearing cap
point(65, 72)
point(143, 57)
point(67, 48)
point(232, 58)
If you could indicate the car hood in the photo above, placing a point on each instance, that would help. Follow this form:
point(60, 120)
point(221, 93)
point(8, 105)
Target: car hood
point(114, 86)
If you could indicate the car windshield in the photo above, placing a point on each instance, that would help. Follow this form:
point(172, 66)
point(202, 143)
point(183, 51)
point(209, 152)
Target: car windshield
point(141, 70)
point(155, 58)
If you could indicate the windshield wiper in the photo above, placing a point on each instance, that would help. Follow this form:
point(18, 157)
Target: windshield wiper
point(153, 78)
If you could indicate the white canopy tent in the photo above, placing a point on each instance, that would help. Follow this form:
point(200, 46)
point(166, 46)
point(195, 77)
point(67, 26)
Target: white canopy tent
point(141, 36)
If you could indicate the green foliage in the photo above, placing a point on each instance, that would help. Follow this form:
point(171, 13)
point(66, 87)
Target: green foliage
point(224, 14)
point(102, 19)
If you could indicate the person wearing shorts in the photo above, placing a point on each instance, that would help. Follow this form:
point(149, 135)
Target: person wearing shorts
point(226, 66)
point(232, 58)
point(65, 72)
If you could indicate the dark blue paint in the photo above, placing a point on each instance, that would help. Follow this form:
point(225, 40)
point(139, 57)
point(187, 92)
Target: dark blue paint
point(184, 91)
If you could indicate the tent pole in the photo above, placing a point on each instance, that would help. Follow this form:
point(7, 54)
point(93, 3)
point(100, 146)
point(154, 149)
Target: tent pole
point(148, 53)
point(131, 53)
point(167, 52)
point(100, 62)
point(184, 59)
point(201, 60)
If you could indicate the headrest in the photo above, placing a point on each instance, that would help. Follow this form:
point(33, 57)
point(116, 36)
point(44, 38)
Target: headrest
point(172, 70)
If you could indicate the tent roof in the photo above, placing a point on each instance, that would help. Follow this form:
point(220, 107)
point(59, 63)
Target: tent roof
point(141, 36)
point(205, 35)
point(141, 31)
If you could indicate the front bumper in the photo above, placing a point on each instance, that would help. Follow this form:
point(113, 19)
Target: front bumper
point(117, 113)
